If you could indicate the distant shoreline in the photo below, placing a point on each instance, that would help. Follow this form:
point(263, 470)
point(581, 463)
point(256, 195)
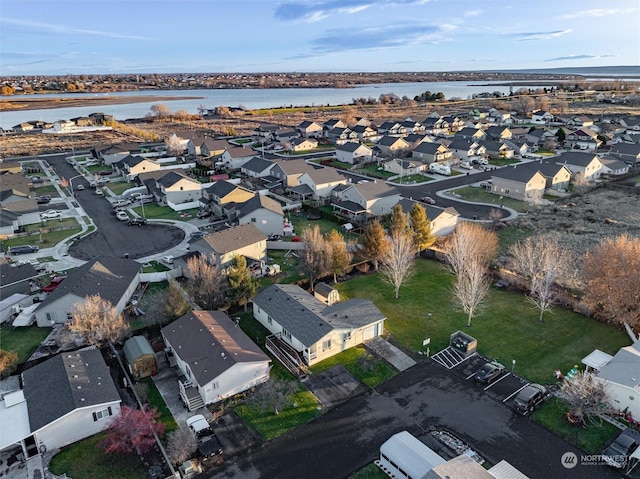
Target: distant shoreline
point(18, 103)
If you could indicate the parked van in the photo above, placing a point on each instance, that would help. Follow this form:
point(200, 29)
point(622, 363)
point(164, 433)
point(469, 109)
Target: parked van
point(440, 169)
point(23, 249)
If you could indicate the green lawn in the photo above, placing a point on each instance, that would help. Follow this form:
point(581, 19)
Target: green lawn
point(154, 267)
point(288, 266)
point(301, 223)
point(155, 212)
point(369, 472)
point(592, 438)
point(119, 187)
point(24, 341)
point(48, 239)
point(411, 179)
point(47, 190)
point(507, 330)
point(373, 170)
point(86, 459)
point(503, 161)
point(480, 195)
point(378, 372)
point(156, 401)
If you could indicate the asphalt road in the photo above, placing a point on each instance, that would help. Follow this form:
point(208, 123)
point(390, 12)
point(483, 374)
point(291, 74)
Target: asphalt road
point(113, 237)
point(425, 396)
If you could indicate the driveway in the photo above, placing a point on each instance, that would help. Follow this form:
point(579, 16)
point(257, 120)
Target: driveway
point(348, 437)
point(113, 237)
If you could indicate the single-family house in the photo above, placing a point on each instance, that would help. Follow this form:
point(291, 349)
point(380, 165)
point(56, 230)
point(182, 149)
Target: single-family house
point(581, 121)
point(613, 167)
point(541, 117)
point(290, 171)
point(353, 153)
point(583, 139)
point(558, 176)
point(467, 149)
point(223, 197)
point(443, 221)
point(341, 135)
point(66, 398)
point(333, 123)
point(619, 373)
point(436, 126)
point(236, 156)
point(627, 152)
point(392, 128)
point(302, 144)
point(498, 133)
point(257, 167)
point(265, 213)
point(432, 152)
point(497, 149)
point(359, 202)
point(410, 126)
point(393, 146)
point(414, 139)
point(537, 137)
point(321, 182)
point(266, 130)
point(521, 183)
point(16, 193)
point(175, 188)
point(631, 123)
point(133, 165)
point(587, 165)
point(243, 240)
point(454, 123)
point(365, 133)
point(285, 134)
point(310, 129)
point(404, 167)
point(519, 146)
point(472, 134)
point(302, 324)
point(193, 145)
point(218, 360)
point(213, 147)
point(16, 278)
point(114, 153)
point(114, 279)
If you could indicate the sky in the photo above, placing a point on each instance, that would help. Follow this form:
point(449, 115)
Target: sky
point(57, 37)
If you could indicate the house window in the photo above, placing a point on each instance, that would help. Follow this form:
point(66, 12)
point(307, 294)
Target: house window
point(346, 337)
point(253, 220)
point(102, 414)
point(286, 334)
point(181, 188)
point(326, 344)
point(269, 320)
point(215, 385)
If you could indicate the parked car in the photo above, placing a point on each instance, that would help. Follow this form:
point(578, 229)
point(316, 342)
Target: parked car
point(43, 200)
point(93, 184)
point(36, 179)
point(168, 259)
point(122, 216)
point(203, 214)
point(618, 452)
point(99, 192)
point(50, 214)
point(530, 397)
point(120, 203)
point(199, 425)
point(428, 200)
point(466, 165)
point(137, 221)
point(209, 448)
point(489, 372)
point(55, 282)
point(104, 172)
point(103, 180)
point(23, 249)
point(197, 234)
point(79, 187)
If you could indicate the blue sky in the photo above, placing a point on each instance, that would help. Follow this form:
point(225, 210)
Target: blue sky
point(127, 36)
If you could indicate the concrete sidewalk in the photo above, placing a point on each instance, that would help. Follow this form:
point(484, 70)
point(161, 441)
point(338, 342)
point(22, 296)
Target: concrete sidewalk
point(389, 352)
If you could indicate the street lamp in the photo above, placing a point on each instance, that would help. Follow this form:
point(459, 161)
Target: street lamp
point(71, 182)
point(427, 339)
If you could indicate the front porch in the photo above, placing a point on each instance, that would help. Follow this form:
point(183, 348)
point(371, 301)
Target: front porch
point(289, 357)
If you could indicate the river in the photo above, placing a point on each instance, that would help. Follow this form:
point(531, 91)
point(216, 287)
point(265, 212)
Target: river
point(251, 98)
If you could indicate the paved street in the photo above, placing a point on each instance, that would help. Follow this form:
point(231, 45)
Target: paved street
point(349, 437)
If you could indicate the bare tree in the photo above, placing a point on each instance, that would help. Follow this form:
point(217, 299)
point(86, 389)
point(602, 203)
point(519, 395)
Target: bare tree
point(275, 394)
point(610, 270)
point(495, 215)
point(341, 257)
point(470, 241)
point(160, 110)
point(181, 444)
point(166, 305)
point(174, 145)
point(315, 259)
point(470, 288)
point(205, 283)
point(587, 398)
point(543, 262)
point(399, 259)
point(373, 243)
point(97, 321)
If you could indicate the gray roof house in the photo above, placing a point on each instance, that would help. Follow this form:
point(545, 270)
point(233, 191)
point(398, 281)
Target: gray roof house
point(264, 212)
point(558, 176)
point(309, 327)
point(627, 152)
point(521, 183)
point(359, 202)
point(257, 167)
point(242, 240)
point(64, 399)
point(586, 164)
point(114, 279)
point(216, 357)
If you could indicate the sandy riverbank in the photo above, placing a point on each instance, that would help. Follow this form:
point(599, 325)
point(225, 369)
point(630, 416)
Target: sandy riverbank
point(31, 103)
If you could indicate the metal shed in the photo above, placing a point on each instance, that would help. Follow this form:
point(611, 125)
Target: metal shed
point(140, 357)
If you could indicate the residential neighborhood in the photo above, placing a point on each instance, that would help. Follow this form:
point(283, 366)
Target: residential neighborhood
point(380, 295)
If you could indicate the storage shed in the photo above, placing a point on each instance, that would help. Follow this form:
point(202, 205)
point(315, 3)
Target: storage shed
point(140, 357)
point(403, 455)
point(326, 294)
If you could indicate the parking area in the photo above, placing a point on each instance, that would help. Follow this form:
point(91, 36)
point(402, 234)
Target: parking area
point(504, 388)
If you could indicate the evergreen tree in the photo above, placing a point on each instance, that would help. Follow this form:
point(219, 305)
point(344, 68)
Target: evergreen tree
point(399, 220)
point(421, 226)
point(242, 285)
point(340, 256)
point(374, 243)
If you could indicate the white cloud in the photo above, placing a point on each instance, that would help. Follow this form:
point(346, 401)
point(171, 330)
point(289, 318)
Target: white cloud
point(596, 13)
point(61, 29)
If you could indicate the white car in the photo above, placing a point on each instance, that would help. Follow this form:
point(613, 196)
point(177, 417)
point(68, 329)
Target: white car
point(122, 216)
point(79, 187)
point(99, 192)
point(50, 214)
point(168, 259)
point(199, 425)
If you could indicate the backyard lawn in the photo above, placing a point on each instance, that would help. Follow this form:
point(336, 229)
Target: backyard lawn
point(477, 194)
point(46, 240)
point(507, 330)
point(23, 341)
point(86, 459)
point(155, 212)
point(368, 369)
point(119, 187)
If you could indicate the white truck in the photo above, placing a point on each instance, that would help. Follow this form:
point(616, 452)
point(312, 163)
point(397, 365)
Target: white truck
point(440, 169)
